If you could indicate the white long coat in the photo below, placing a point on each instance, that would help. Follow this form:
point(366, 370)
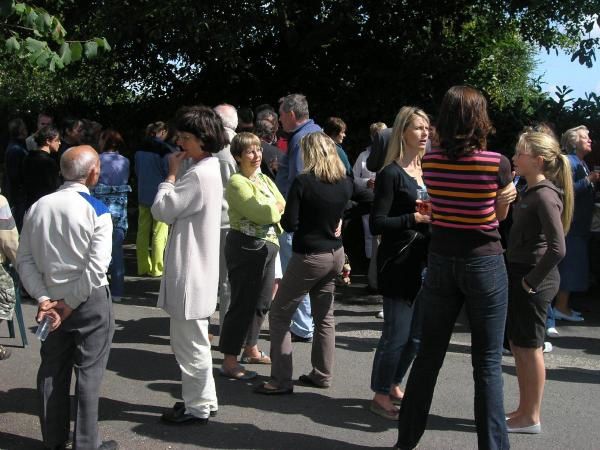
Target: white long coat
point(192, 206)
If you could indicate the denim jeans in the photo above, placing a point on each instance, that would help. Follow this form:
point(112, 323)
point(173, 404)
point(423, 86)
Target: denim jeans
point(550, 319)
point(117, 265)
point(398, 344)
point(302, 321)
point(481, 284)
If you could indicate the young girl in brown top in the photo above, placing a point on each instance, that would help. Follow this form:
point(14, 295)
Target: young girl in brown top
point(541, 218)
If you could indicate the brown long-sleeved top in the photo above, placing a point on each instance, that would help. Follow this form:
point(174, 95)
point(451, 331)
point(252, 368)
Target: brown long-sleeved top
point(537, 236)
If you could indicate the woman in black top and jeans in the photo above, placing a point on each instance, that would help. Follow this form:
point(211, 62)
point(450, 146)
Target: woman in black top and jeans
point(313, 212)
point(401, 256)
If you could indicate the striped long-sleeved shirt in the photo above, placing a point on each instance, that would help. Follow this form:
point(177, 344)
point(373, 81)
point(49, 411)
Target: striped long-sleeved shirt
point(463, 199)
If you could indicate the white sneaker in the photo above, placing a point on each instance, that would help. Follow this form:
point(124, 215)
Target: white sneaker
point(116, 299)
point(552, 332)
point(379, 315)
point(547, 347)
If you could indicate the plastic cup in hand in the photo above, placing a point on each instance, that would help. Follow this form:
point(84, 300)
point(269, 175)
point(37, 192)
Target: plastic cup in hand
point(43, 328)
point(423, 203)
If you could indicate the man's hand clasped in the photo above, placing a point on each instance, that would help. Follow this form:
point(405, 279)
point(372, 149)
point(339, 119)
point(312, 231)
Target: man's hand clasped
point(57, 310)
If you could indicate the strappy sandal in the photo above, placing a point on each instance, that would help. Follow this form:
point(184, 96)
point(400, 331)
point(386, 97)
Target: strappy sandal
point(262, 359)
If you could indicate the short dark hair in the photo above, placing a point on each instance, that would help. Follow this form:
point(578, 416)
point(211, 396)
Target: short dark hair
point(17, 128)
point(264, 129)
point(334, 126)
point(152, 129)
point(45, 134)
point(463, 123)
point(205, 124)
point(111, 139)
point(69, 123)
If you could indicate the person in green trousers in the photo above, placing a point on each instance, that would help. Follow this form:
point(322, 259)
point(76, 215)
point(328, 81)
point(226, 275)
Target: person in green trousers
point(151, 169)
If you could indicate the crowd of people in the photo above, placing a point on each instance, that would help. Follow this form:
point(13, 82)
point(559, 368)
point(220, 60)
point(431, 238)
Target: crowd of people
point(259, 210)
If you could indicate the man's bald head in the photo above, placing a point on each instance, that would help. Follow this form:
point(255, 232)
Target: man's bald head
point(80, 164)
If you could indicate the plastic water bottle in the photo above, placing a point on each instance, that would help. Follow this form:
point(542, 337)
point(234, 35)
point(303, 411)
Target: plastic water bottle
point(43, 328)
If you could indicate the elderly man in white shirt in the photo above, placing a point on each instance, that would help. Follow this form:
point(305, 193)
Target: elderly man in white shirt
point(63, 256)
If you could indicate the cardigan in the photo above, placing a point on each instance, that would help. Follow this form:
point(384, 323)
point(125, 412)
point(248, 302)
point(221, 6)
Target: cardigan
point(188, 289)
point(253, 211)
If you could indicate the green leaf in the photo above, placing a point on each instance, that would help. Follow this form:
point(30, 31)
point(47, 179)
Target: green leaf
point(42, 59)
point(90, 49)
point(76, 51)
point(19, 8)
point(58, 32)
point(31, 19)
point(33, 45)
point(65, 53)
point(107, 47)
point(12, 44)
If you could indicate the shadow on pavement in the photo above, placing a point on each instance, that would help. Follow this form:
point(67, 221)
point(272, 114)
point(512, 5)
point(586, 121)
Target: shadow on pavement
point(9, 441)
point(589, 345)
point(565, 374)
point(150, 330)
point(143, 364)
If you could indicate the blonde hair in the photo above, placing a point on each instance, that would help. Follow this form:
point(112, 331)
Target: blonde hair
point(320, 157)
point(375, 128)
point(569, 139)
point(242, 141)
point(556, 168)
point(403, 119)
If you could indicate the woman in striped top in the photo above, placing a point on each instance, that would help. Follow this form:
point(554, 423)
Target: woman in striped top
point(466, 266)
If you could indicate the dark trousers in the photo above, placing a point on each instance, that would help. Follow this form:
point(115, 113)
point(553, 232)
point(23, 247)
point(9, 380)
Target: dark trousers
point(251, 271)
point(82, 344)
point(481, 284)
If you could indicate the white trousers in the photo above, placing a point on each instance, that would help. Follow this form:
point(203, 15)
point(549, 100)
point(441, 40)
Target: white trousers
point(189, 341)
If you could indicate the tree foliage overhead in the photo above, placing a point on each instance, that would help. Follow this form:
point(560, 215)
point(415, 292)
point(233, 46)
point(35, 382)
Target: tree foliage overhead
point(29, 31)
point(358, 59)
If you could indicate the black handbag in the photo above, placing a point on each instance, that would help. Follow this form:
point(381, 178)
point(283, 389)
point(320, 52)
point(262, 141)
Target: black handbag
point(399, 265)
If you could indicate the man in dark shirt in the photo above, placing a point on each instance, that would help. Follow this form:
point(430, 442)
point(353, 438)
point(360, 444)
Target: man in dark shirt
point(13, 162)
point(40, 171)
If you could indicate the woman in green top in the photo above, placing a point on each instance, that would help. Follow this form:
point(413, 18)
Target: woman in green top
point(255, 208)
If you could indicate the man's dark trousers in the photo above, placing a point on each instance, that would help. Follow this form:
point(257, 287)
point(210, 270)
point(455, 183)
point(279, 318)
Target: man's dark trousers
point(81, 343)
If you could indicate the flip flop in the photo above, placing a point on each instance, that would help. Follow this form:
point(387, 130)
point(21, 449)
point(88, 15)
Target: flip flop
point(395, 400)
point(262, 359)
point(239, 374)
point(380, 411)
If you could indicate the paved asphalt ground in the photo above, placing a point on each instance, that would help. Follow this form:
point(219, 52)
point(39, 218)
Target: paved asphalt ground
point(142, 379)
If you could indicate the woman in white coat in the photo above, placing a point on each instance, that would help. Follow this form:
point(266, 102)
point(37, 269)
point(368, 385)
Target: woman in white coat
point(188, 290)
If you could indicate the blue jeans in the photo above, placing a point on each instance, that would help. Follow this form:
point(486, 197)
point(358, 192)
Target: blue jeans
point(302, 321)
point(398, 344)
point(550, 319)
point(117, 265)
point(481, 284)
